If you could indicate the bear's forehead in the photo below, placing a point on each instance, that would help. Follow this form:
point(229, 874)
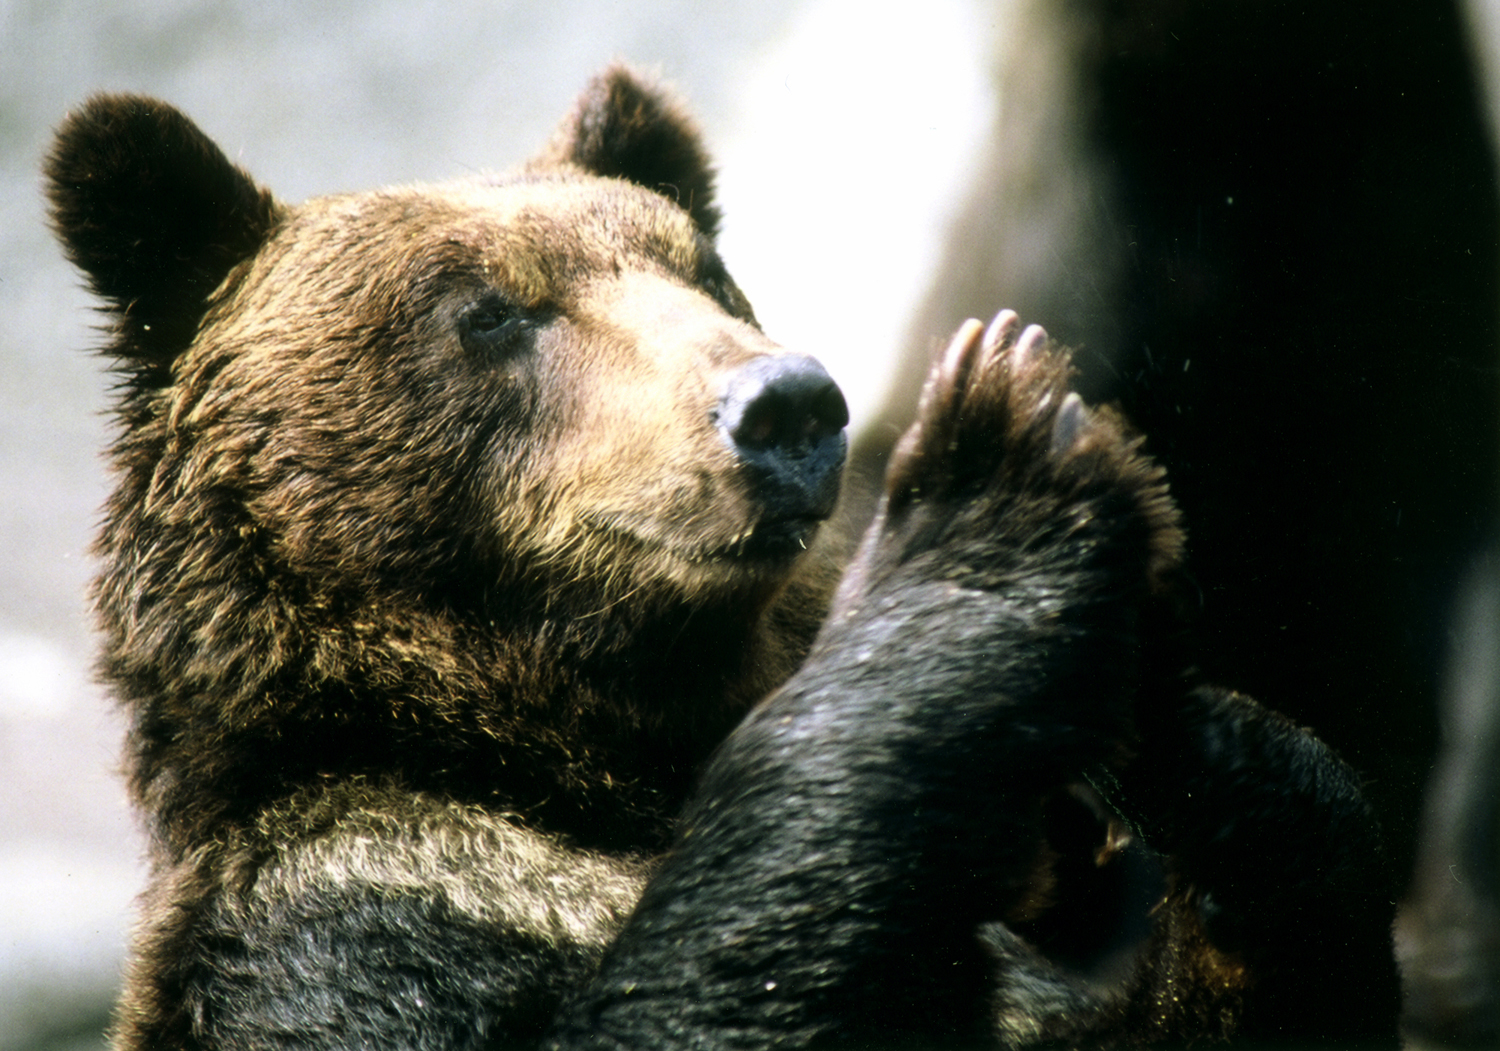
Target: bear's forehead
point(534, 236)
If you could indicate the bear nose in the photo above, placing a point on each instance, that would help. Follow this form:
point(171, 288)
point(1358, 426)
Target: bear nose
point(785, 418)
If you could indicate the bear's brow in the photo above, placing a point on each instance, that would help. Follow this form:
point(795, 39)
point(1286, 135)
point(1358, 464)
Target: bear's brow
point(578, 224)
point(533, 240)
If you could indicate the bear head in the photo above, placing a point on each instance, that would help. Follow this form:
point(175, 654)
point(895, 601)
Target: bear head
point(380, 451)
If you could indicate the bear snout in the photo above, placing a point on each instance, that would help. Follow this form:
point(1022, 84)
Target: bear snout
point(784, 417)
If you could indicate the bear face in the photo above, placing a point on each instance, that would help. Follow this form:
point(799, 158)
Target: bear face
point(410, 476)
point(508, 330)
point(506, 336)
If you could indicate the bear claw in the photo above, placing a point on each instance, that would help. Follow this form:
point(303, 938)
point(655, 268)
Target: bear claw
point(1001, 331)
point(1032, 340)
point(958, 359)
point(1071, 418)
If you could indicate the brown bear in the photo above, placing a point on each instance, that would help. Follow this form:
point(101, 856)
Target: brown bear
point(458, 528)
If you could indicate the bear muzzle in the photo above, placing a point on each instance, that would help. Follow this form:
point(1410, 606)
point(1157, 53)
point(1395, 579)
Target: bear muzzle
point(784, 417)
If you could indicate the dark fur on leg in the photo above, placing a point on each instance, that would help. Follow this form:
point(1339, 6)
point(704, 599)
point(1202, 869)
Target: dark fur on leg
point(1275, 856)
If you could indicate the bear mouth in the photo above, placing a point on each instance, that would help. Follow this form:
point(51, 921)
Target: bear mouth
point(774, 540)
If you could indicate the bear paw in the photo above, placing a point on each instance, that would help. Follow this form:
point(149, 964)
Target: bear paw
point(1005, 464)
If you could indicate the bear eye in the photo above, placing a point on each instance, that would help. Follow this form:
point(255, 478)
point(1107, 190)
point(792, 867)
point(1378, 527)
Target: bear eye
point(491, 326)
point(715, 280)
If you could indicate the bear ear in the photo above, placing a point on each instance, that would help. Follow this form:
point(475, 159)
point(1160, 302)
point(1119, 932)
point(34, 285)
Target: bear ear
point(625, 126)
point(154, 213)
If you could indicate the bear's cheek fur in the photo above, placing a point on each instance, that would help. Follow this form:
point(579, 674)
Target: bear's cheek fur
point(349, 465)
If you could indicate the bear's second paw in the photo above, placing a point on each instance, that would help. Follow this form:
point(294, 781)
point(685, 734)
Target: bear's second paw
point(1004, 458)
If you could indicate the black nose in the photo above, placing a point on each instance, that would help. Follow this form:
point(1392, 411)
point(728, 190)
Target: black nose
point(785, 418)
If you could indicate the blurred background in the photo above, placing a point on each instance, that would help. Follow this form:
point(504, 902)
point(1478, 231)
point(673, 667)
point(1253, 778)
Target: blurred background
point(1273, 235)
